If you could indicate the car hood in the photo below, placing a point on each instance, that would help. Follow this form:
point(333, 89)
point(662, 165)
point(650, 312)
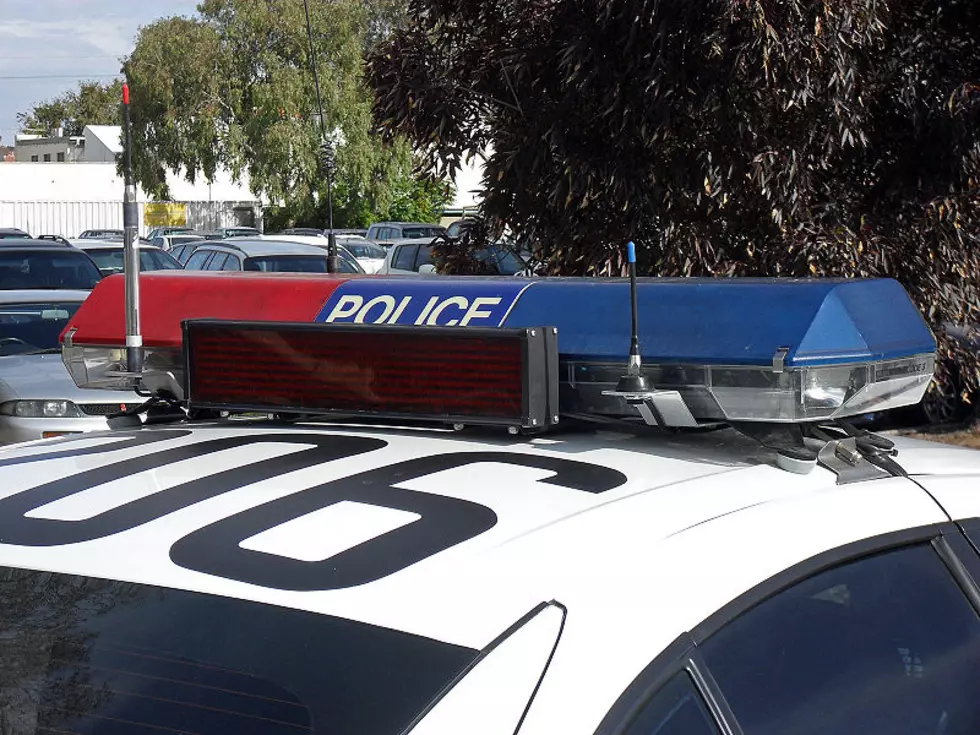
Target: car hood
point(46, 377)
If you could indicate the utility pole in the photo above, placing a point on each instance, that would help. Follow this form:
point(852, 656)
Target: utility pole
point(131, 255)
point(328, 152)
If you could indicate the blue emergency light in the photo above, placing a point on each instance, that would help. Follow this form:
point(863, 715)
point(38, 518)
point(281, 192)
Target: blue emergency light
point(765, 350)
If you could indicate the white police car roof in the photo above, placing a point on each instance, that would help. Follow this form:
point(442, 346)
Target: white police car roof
point(640, 538)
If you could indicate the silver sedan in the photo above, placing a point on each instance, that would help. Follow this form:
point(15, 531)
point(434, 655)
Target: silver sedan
point(38, 398)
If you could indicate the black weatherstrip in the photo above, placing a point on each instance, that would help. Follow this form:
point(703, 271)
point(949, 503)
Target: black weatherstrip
point(490, 648)
point(952, 549)
point(17, 528)
point(671, 660)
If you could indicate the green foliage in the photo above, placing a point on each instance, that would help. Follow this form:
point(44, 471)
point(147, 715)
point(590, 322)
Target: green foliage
point(233, 87)
point(91, 103)
point(726, 137)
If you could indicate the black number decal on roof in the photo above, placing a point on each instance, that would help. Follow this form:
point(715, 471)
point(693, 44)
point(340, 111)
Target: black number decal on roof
point(118, 443)
point(16, 528)
point(445, 522)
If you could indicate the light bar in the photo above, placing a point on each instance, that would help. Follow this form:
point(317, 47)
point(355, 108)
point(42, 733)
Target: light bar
point(498, 377)
point(761, 350)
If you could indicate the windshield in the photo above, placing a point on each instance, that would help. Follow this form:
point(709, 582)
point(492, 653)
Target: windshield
point(47, 269)
point(507, 263)
point(14, 236)
point(288, 264)
point(110, 260)
point(33, 327)
point(97, 234)
point(366, 250)
point(412, 233)
point(85, 655)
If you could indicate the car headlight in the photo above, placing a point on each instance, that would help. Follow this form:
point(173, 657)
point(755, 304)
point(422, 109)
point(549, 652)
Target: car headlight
point(41, 409)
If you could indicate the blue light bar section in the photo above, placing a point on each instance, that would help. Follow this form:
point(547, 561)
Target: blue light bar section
point(730, 321)
point(681, 321)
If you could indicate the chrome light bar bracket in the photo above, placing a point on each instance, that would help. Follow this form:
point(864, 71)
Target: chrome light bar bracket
point(663, 408)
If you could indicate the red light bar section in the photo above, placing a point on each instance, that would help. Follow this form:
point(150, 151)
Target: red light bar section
point(167, 298)
point(452, 375)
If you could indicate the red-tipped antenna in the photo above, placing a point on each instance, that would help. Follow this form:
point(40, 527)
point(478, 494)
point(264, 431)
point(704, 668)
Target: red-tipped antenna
point(131, 256)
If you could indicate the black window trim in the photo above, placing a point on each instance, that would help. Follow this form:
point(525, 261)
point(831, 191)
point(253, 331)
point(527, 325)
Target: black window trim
point(947, 539)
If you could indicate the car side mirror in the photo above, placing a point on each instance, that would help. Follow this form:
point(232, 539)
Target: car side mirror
point(427, 269)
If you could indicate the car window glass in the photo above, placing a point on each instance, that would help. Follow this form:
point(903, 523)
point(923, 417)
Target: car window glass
point(424, 257)
point(85, 655)
point(178, 251)
point(196, 261)
point(30, 327)
point(232, 264)
point(887, 644)
point(47, 269)
point(217, 262)
point(677, 709)
point(405, 257)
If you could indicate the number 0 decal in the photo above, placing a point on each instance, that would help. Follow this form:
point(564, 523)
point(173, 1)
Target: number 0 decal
point(444, 523)
point(17, 528)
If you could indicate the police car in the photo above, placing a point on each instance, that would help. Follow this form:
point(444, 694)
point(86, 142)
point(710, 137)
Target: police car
point(380, 505)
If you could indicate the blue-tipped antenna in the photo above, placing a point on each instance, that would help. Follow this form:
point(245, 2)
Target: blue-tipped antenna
point(633, 381)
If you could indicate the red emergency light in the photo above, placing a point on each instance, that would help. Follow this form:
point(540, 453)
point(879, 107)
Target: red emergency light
point(455, 375)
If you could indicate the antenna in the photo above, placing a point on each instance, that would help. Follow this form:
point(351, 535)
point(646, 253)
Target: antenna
point(633, 381)
point(131, 256)
point(328, 155)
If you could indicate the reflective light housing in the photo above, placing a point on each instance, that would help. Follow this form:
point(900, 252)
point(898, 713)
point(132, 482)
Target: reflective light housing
point(100, 366)
point(740, 393)
point(49, 409)
point(469, 376)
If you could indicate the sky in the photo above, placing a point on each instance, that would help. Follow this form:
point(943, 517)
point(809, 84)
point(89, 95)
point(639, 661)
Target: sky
point(48, 46)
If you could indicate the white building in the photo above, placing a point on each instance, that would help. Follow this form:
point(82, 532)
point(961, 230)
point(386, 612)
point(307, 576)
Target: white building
point(66, 198)
point(55, 148)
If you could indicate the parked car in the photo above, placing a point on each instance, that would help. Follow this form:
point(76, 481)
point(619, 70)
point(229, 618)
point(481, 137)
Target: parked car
point(37, 264)
point(38, 398)
point(12, 233)
point(386, 233)
point(369, 255)
point(223, 233)
point(170, 242)
point(411, 257)
point(102, 235)
point(171, 230)
point(54, 238)
point(184, 250)
point(109, 256)
point(305, 231)
point(370, 259)
point(272, 256)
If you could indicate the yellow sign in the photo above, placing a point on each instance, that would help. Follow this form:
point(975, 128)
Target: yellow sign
point(164, 214)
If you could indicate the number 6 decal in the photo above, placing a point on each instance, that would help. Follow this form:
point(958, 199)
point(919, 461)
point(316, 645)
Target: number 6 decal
point(444, 522)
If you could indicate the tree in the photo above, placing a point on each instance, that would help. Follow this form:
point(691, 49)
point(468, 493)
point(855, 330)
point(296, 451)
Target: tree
point(726, 137)
point(233, 89)
point(91, 104)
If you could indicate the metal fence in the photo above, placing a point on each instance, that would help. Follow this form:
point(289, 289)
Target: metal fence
point(69, 219)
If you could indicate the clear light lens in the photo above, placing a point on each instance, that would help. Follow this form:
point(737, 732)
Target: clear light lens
point(93, 367)
point(796, 395)
point(42, 409)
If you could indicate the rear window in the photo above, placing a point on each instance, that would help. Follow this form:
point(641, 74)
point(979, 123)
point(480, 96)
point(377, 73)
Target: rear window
point(288, 264)
point(47, 269)
point(416, 232)
point(95, 657)
point(111, 260)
